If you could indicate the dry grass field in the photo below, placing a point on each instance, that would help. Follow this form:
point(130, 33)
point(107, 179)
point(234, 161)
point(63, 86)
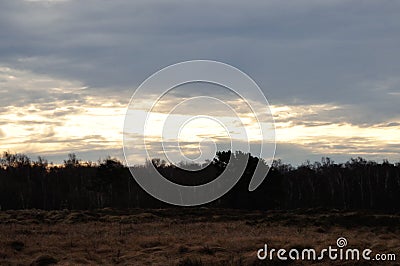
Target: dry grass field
point(194, 236)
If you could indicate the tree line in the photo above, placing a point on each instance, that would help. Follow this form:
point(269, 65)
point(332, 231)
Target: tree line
point(356, 184)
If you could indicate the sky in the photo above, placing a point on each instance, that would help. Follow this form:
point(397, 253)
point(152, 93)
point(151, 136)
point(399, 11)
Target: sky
point(329, 69)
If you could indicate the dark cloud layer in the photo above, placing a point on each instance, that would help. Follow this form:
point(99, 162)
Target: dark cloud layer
point(304, 51)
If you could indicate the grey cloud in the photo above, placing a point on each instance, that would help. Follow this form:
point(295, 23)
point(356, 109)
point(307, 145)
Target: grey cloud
point(306, 50)
point(394, 124)
point(48, 138)
point(311, 41)
point(42, 99)
point(32, 122)
point(299, 52)
point(356, 114)
point(311, 124)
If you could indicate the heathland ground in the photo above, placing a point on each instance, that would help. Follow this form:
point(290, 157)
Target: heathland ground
point(186, 236)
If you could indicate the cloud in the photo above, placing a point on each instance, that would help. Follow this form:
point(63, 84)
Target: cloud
point(325, 48)
point(42, 114)
point(329, 113)
point(68, 65)
point(393, 124)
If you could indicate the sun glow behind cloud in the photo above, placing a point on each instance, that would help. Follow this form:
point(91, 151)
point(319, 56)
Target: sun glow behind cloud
point(60, 117)
point(55, 116)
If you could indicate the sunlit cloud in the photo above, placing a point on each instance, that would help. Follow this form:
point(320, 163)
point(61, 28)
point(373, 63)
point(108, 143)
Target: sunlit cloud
point(55, 116)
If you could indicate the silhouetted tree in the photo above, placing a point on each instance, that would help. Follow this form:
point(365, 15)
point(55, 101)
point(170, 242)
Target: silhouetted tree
point(356, 184)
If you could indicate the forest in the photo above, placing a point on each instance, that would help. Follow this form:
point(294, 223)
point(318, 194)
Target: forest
point(355, 185)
